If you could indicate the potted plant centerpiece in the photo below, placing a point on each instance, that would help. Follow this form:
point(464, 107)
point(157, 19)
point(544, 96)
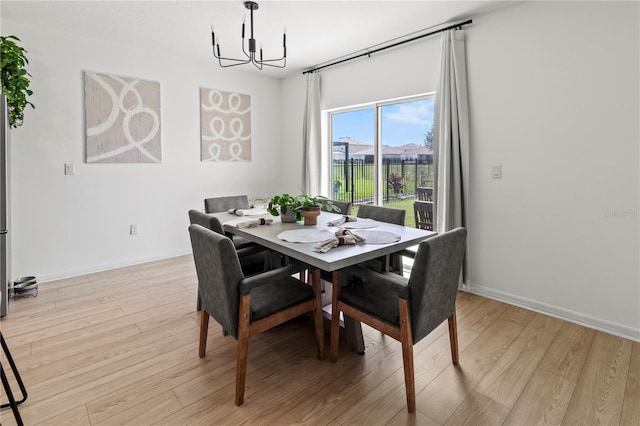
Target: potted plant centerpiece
point(310, 206)
point(286, 206)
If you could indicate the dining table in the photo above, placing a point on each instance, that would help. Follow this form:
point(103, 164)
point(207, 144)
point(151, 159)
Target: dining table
point(297, 241)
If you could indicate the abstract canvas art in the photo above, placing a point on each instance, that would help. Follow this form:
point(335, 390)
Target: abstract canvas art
point(225, 121)
point(122, 118)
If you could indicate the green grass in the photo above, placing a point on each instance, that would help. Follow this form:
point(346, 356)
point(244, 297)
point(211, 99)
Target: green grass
point(361, 183)
point(406, 204)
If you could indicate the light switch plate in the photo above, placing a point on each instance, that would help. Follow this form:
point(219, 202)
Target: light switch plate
point(69, 169)
point(496, 171)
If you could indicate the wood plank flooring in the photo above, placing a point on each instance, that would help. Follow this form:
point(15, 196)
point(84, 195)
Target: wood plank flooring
point(120, 347)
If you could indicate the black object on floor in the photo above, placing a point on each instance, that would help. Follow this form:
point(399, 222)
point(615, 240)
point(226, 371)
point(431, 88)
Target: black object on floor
point(7, 388)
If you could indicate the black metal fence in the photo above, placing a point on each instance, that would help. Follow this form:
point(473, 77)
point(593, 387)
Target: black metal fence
point(353, 180)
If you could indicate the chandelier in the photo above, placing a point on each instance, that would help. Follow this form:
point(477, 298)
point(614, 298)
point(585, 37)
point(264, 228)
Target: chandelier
point(251, 54)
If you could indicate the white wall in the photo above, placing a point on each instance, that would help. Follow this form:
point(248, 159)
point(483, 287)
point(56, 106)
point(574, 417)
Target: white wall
point(67, 225)
point(410, 70)
point(554, 98)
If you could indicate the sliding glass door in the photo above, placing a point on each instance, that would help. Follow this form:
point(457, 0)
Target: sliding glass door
point(382, 153)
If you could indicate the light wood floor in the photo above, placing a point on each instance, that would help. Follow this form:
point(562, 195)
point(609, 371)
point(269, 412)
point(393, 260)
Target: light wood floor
point(120, 347)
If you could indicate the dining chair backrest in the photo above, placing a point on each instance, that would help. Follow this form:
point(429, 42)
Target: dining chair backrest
point(393, 262)
point(382, 214)
point(344, 206)
point(424, 193)
point(223, 204)
point(434, 281)
point(219, 275)
point(423, 213)
point(210, 222)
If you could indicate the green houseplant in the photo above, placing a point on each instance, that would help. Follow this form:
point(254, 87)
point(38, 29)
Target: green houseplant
point(285, 205)
point(15, 78)
point(309, 207)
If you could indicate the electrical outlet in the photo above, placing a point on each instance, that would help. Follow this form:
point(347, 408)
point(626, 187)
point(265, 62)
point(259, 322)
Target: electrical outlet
point(133, 229)
point(69, 169)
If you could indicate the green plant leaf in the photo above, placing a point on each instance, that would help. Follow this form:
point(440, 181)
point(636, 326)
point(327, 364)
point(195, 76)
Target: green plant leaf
point(15, 84)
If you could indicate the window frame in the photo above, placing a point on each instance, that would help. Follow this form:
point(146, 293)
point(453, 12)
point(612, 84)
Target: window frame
point(377, 143)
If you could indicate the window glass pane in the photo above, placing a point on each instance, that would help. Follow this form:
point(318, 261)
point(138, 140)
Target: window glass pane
point(407, 157)
point(353, 173)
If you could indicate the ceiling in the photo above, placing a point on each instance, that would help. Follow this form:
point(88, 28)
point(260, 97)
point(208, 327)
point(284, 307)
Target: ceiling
point(317, 31)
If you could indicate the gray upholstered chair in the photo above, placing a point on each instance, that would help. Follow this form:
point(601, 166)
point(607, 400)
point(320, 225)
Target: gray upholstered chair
point(406, 309)
point(253, 259)
point(344, 206)
point(388, 215)
point(223, 204)
point(246, 306)
point(382, 214)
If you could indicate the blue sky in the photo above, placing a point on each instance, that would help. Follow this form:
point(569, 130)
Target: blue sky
point(402, 123)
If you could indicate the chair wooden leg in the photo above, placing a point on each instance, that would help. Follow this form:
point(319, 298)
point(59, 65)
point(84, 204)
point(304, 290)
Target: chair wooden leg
point(453, 339)
point(204, 328)
point(335, 317)
point(407, 355)
point(243, 348)
point(317, 312)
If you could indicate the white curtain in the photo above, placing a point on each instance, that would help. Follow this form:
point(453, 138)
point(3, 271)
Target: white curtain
point(451, 137)
point(311, 129)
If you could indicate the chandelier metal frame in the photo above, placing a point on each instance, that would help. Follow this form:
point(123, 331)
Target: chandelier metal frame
point(251, 54)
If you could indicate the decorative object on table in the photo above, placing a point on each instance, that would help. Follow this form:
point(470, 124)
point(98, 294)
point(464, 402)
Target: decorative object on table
point(305, 235)
point(250, 58)
point(286, 206)
point(122, 117)
point(225, 126)
point(342, 220)
point(248, 212)
point(310, 215)
point(249, 223)
point(378, 237)
point(342, 237)
point(14, 78)
point(309, 207)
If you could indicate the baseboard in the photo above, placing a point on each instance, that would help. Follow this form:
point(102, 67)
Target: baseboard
point(557, 312)
point(533, 305)
point(109, 266)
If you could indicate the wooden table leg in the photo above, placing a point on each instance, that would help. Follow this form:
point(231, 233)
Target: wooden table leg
point(352, 328)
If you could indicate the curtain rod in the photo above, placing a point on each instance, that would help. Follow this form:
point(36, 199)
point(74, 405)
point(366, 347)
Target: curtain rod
point(450, 27)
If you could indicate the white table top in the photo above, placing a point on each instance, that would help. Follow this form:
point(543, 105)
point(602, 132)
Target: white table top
point(336, 258)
